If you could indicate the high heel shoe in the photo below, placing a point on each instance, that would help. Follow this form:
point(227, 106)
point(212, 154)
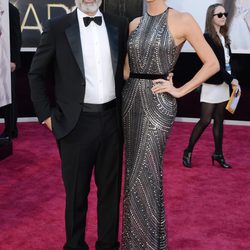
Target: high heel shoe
point(220, 159)
point(186, 159)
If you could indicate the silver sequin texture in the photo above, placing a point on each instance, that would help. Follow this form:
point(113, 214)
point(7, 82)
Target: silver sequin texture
point(147, 119)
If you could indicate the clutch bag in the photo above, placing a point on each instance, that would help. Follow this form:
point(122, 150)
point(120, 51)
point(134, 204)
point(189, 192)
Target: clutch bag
point(233, 101)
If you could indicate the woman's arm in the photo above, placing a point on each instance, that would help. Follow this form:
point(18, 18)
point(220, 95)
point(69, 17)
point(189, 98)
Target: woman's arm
point(222, 74)
point(189, 30)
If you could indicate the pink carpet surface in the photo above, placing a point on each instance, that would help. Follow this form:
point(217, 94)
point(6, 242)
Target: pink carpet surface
point(207, 206)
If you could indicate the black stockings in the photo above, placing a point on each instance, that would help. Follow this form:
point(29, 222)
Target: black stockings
point(209, 111)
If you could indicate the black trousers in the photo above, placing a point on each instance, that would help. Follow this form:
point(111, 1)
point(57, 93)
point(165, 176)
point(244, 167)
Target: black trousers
point(93, 144)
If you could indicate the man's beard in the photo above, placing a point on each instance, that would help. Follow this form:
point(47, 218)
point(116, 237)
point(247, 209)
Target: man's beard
point(88, 8)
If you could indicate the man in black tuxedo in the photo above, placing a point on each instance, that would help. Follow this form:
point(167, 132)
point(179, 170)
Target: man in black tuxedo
point(9, 111)
point(85, 51)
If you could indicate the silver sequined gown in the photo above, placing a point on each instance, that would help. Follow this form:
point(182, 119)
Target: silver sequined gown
point(147, 120)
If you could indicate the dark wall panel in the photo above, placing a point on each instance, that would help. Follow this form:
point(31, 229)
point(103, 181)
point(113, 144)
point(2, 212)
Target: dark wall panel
point(189, 105)
point(128, 8)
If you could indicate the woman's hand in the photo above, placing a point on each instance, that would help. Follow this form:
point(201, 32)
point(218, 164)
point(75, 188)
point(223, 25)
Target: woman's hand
point(235, 83)
point(165, 86)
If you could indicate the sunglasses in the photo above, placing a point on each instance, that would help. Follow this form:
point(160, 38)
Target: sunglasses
point(220, 15)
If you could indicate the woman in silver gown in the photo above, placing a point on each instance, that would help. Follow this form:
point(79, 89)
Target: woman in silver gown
point(149, 109)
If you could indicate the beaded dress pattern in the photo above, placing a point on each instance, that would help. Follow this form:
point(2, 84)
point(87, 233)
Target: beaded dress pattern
point(147, 120)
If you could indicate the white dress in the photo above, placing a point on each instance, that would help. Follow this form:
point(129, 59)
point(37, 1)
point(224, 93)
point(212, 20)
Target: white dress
point(239, 31)
point(212, 93)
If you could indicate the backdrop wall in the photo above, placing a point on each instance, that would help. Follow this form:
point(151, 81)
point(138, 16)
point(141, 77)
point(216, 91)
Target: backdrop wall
point(34, 13)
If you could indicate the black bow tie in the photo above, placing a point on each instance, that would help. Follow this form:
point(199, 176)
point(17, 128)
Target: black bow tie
point(97, 19)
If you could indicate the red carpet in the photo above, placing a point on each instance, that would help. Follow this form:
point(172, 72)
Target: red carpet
point(207, 206)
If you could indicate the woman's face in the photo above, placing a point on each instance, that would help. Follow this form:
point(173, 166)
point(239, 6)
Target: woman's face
point(220, 16)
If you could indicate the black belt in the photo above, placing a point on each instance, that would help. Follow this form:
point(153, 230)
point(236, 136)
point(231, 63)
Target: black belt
point(89, 107)
point(148, 76)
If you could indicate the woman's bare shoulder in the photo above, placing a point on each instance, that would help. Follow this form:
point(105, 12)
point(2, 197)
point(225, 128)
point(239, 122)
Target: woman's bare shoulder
point(182, 23)
point(182, 17)
point(134, 24)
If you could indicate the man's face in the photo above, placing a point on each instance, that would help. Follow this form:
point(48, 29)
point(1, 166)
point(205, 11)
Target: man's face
point(88, 6)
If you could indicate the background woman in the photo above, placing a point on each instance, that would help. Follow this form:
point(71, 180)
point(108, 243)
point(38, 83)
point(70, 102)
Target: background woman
point(215, 92)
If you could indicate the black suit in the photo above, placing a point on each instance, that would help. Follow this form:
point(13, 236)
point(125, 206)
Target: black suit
point(84, 139)
point(222, 75)
point(10, 112)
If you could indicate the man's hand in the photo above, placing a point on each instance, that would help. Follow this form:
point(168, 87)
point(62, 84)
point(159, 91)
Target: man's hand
point(48, 123)
point(12, 67)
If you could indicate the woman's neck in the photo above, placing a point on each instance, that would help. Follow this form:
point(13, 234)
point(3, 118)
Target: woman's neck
point(217, 29)
point(156, 8)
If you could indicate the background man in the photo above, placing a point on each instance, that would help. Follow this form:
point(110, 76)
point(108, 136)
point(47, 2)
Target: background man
point(10, 110)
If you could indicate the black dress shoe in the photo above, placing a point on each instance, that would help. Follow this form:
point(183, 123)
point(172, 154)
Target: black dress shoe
point(4, 135)
point(220, 159)
point(13, 134)
point(4, 140)
point(186, 159)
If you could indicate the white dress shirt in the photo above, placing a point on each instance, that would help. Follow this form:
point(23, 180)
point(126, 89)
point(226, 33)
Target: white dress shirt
point(100, 83)
point(227, 55)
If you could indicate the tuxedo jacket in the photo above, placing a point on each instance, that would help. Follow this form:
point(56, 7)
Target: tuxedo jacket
point(15, 35)
point(60, 53)
point(222, 75)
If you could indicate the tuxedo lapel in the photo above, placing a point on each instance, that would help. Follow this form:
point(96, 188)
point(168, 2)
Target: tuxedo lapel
point(73, 36)
point(113, 35)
